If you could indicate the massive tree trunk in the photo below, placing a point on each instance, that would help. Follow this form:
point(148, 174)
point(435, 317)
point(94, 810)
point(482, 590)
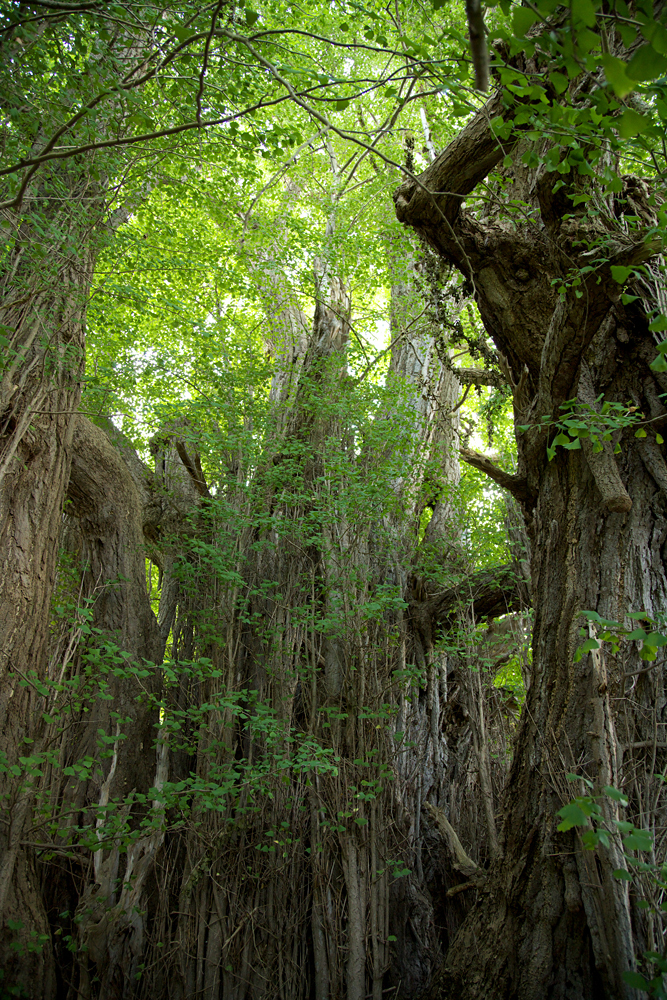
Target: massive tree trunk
point(309, 736)
point(44, 289)
point(313, 636)
point(52, 233)
point(551, 921)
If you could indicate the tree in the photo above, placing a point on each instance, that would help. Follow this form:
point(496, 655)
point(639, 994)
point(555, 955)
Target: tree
point(548, 272)
point(255, 741)
point(285, 525)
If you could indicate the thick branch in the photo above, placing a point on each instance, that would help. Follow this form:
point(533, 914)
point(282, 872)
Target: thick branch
point(490, 592)
point(464, 163)
point(478, 47)
point(460, 860)
point(575, 321)
point(194, 469)
point(517, 485)
point(479, 376)
point(602, 464)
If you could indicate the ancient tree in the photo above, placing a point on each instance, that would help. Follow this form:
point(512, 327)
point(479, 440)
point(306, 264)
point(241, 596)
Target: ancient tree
point(245, 788)
point(551, 920)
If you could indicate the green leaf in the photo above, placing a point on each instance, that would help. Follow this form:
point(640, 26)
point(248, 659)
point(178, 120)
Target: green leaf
point(251, 16)
point(636, 980)
point(583, 10)
point(621, 274)
point(559, 82)
point(656, 34)
point(615, 794)
point(640, 840)
point(592, 839)
point(659, 439)
point(522, 20)
point(142, 122)
point(571, 815)
point(616, 76)
point(632, 123)
point(646, 64)
point(622, 875)
point(660, 364)
point(341, 105)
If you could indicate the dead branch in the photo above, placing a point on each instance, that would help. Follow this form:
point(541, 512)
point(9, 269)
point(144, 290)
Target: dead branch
point(193, 468)
point(479, 376)
point(460, 860)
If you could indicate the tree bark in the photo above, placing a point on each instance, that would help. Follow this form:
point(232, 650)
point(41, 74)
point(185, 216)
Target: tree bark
point(42, 308)
point(551, 920)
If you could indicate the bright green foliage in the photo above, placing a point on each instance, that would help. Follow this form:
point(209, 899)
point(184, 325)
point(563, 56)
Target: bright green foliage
point(603, 630)
point(599, 423)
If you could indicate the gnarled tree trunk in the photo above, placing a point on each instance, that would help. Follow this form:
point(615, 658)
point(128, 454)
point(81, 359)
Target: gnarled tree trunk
point(44, 290)
point(551, 920)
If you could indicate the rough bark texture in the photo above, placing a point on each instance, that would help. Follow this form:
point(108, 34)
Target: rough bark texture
point(298, 622)
point(551, 921)
point(43, 309)
point(197, 896)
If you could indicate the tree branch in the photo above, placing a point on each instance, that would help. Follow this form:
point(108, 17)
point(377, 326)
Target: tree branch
point(490, 593)
point(479, 376)
point(517, 485)
point(460, 860)
point(470, 156)
point(478, 48)
point(602, 464)
point(194, 469)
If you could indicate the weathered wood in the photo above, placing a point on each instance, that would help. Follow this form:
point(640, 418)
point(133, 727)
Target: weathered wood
point(548, 922)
